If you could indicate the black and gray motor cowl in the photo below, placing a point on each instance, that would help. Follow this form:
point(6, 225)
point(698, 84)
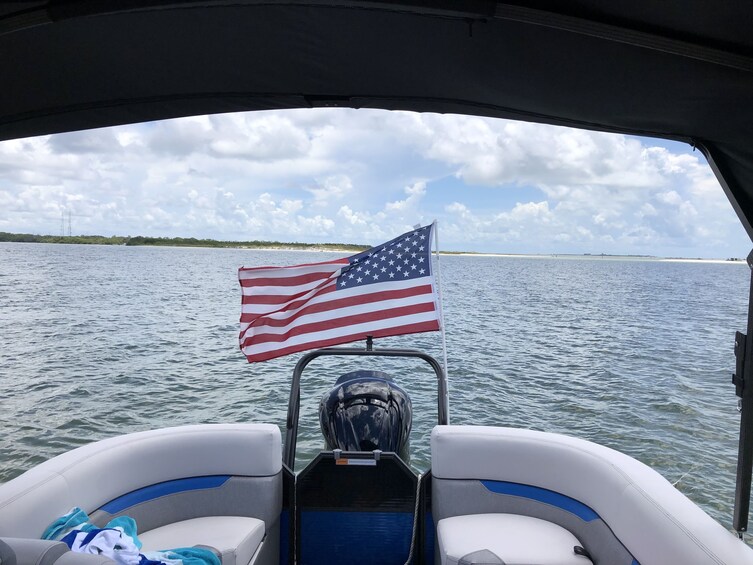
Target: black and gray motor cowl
point(365, 411)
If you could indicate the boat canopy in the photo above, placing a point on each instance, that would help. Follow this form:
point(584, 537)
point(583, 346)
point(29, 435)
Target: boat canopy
point(675, 70)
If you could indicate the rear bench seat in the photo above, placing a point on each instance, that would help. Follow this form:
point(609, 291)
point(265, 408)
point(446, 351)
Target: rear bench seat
point(488, 483)
point(215, 485)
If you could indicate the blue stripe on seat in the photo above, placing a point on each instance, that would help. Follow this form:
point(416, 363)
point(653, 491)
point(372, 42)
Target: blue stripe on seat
point(161, 489)
point(546, 496)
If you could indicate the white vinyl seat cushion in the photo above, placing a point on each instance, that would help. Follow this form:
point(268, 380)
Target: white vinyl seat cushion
point(236, 537)
point(515, 539)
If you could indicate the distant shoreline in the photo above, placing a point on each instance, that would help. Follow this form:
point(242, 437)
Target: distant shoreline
point(178, 242)
point(258, 245)
point(605, 257)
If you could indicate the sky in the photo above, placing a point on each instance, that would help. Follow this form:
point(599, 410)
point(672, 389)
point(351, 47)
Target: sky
point(365, 176)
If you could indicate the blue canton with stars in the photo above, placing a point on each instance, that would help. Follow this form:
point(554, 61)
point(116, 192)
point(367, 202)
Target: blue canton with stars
point(404, 258)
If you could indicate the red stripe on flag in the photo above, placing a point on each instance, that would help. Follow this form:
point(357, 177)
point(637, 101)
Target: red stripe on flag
point(264, 319)
point(339, 323)
point(286, 281)
point(430, 326)
point(278, 299)
point(343, 261)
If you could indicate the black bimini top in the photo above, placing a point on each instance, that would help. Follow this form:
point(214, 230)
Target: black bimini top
point(677, 70)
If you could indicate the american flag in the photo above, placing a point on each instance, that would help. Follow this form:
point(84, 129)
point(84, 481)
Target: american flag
point(387, 290)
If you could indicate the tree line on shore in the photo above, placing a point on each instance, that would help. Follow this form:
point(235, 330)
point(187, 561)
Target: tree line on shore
point(171, 242)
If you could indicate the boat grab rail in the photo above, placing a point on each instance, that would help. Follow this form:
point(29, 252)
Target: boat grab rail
point(294, 404)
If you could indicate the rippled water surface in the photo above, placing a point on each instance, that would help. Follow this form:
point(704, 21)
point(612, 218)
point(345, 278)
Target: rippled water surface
point(637, 355)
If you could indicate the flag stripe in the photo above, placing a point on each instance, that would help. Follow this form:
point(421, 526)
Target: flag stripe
point(258, 283)
point(266, 336)
point(280, 298)
point(323, 295)
point(430, 326)
point(261, 309)
point(324, 302)
point(249, 272)
point(364, 329)
point(354, 303)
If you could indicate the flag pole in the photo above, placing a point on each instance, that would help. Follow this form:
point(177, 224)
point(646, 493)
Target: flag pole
point(446, 399)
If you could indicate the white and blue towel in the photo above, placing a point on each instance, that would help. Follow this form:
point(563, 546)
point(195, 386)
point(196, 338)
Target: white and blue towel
point(119, 541)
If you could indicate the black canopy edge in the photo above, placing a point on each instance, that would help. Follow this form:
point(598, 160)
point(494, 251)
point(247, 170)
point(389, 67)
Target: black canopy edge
point(474, 9)
point(182, 105)
point(60, 10)
point(738, 198)
point(625, 35)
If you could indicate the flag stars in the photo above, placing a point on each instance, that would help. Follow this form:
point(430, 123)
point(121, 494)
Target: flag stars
point(409, 255)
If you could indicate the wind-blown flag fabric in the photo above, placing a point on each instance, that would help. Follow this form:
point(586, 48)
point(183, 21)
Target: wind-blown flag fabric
point(387, 290)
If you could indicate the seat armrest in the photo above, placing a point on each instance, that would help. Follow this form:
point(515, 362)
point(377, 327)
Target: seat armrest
point(7, 555)
point(73, 558)
point(27, 551)
point(36, 551)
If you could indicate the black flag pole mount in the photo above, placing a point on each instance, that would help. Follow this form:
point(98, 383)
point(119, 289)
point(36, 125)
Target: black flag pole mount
point(743, 381)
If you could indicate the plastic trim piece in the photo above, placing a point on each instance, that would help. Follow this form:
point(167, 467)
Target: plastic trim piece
point(163, 489)
point(546, 496)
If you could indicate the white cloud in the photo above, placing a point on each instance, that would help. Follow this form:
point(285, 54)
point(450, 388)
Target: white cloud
point(332, 189)
point(365, 176)
point(415, 194)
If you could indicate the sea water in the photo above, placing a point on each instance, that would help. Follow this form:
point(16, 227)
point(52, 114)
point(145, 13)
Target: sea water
point(634, 354)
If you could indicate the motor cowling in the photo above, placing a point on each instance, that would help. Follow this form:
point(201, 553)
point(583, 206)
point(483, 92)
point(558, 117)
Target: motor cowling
point(365, 411)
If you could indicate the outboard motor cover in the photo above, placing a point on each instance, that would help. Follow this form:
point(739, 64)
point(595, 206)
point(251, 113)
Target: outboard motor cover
point(365, 411)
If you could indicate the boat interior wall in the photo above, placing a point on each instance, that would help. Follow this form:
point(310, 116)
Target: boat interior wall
point(204, 484)
point(608, 500)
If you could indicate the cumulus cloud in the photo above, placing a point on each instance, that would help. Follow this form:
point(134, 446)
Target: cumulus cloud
point(365, 176)
point(331, 189)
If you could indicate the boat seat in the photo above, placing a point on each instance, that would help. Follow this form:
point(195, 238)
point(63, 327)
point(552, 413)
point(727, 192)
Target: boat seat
point(218, 485)
point(506, 539)
point(235, 538)
point(621, 510)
